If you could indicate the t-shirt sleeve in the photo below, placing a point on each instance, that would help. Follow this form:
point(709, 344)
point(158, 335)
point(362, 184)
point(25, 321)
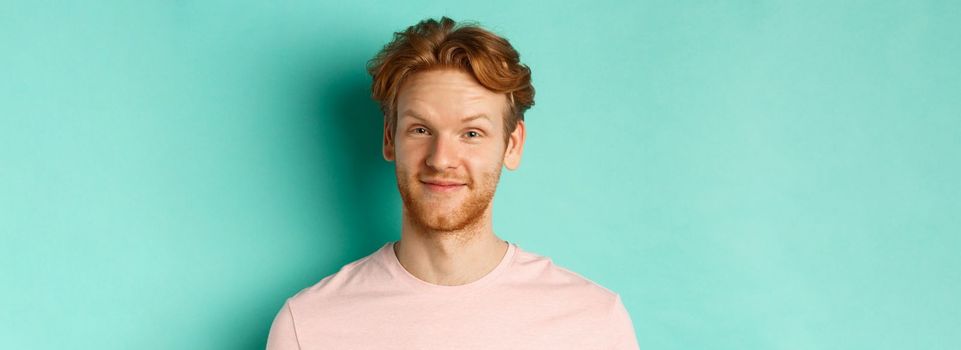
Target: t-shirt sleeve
point(283, 335)
point(624, 336)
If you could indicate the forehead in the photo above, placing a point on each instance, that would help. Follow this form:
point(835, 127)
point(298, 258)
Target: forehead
point(447, 94)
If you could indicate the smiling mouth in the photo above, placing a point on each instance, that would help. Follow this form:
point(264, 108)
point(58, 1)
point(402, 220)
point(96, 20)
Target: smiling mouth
point(443, 186)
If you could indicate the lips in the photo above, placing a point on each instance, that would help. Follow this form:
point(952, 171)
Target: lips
point(442, 185)
point(442, 182)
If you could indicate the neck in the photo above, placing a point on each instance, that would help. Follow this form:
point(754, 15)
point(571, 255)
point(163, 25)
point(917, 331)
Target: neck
point(451, 257)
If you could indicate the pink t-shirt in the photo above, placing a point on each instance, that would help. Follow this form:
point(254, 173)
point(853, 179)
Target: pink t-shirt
point(526, 302)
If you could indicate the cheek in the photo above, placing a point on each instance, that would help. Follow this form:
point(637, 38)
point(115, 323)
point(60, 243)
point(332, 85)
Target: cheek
point(492, 155)
point(485, 161)
point(407, 153)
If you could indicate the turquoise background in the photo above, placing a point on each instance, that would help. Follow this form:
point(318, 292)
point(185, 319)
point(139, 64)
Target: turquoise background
point(746, 174)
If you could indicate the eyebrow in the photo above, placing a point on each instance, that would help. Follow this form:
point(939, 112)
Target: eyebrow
point(414, 115)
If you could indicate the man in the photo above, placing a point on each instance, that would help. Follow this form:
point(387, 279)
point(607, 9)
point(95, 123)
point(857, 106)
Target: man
point(453, 98)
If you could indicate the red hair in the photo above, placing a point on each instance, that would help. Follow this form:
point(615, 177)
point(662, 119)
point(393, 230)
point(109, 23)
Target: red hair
point(430, 44)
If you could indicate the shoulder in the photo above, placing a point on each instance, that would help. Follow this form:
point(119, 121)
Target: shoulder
point(354, 277)
point(564, 294)
point(539, 271)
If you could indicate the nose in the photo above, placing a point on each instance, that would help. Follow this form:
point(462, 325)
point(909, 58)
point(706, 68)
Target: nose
point(443, 153)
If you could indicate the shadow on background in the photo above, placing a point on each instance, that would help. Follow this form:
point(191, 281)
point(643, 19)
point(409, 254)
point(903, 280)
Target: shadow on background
point(365, 193)
point(361, 186)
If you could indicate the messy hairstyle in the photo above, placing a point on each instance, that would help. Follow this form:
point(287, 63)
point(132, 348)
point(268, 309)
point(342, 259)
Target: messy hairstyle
point(430, 44)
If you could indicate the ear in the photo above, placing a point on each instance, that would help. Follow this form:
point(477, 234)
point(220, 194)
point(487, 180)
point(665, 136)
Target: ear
point(515, 146)
point(388, 146)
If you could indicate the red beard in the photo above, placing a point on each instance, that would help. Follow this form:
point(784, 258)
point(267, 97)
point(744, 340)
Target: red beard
point(424, 211)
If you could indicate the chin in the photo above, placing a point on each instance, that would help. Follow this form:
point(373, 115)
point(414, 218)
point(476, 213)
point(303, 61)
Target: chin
point(440, 212)
point(442, 225)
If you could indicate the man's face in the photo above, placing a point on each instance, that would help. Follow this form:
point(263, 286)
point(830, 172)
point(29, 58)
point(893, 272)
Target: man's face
point(449, 148)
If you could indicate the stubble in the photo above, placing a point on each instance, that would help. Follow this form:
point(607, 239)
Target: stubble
point(425, 212)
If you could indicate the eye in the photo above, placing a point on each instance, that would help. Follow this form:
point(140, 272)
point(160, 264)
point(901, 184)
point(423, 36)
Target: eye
point(419, 130)
point(472, 134)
